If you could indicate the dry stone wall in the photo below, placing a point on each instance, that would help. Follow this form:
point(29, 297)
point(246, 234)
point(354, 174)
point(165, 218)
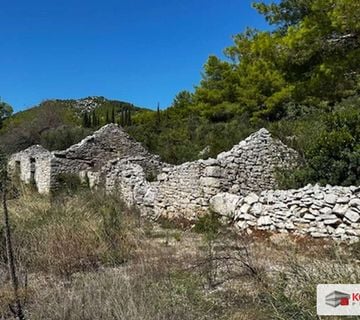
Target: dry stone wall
point(185, 190)
point(85, 158)
point(239, 184)
point(95, 150)
point(129, 178)
point(321, 212)
point(33, 166)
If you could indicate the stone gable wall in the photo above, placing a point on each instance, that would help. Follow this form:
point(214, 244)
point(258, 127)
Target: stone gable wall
point(84, 158)
point(109, 142)
point(185, 190)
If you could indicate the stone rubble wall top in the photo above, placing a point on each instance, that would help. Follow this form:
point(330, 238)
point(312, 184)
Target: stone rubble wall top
point(34, 151)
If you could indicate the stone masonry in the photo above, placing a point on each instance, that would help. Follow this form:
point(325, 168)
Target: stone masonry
point(84, 159)
point(185, 190)
point(33, 166)
point(321, 212)
point(238, 184)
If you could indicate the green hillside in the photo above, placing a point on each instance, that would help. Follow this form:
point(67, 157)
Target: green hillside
point(57, 124)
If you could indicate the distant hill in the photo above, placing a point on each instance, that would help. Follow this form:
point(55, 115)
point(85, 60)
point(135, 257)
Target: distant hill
point(57, 124)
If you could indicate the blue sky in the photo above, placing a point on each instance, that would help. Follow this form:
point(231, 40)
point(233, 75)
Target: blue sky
point(133, 50)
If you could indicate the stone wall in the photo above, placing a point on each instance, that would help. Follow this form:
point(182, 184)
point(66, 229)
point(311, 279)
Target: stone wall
point(239, 184)
point(33, 166)
point(185, 190)
point(321, 212)
point(84, 159)
point(96, 150)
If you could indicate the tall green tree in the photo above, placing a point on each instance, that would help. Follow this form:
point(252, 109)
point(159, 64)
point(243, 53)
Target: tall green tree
point(5, 112)
point(285, 13)
point(219, 82)
point(311, 56)
point(183, 99)
point(113, 115)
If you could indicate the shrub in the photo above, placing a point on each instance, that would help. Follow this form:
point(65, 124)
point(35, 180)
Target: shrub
point(328, 141)
point(209, 225)
point(63, 137)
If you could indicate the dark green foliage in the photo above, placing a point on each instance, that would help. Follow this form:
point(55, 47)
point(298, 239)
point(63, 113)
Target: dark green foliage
point(329, 142)
point(209, 225)
point(122, 121)
point(183, 133)
point(5, 111)
point(151, 176)
point(128, 119)
point(183, 99)
point(158, 116)
point(63, 137)
point(113, 120)
point(94, 120)
point(86, 123)
point(285, 14)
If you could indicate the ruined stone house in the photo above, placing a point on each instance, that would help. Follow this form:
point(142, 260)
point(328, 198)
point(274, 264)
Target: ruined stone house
point(112, 158)
point(185, 190)
point(238, 184)
point(42, 168)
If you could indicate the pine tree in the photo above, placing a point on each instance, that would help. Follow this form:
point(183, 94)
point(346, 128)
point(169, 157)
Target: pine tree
point(158, 118)
point(94, 120)
point(107, 120)
point(128, 117)
point(113, 115)
point(86, 120)
point(122, 117)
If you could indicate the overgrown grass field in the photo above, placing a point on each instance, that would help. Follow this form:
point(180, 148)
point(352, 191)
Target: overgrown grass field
point(88, 256)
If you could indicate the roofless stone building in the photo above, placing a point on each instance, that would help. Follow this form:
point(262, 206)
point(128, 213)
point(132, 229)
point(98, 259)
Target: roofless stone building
point(238, 184)
point(41, 167)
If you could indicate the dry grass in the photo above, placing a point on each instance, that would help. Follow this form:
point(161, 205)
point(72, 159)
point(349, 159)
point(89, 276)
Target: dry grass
point(78, 233)
point(87, 256)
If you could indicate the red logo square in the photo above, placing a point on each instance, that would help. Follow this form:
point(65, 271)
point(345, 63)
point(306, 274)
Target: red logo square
point(344, 301)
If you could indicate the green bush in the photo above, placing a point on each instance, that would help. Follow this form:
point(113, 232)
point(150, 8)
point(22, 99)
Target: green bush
point(209, 225)
point(63, 137)
point(329, 144)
